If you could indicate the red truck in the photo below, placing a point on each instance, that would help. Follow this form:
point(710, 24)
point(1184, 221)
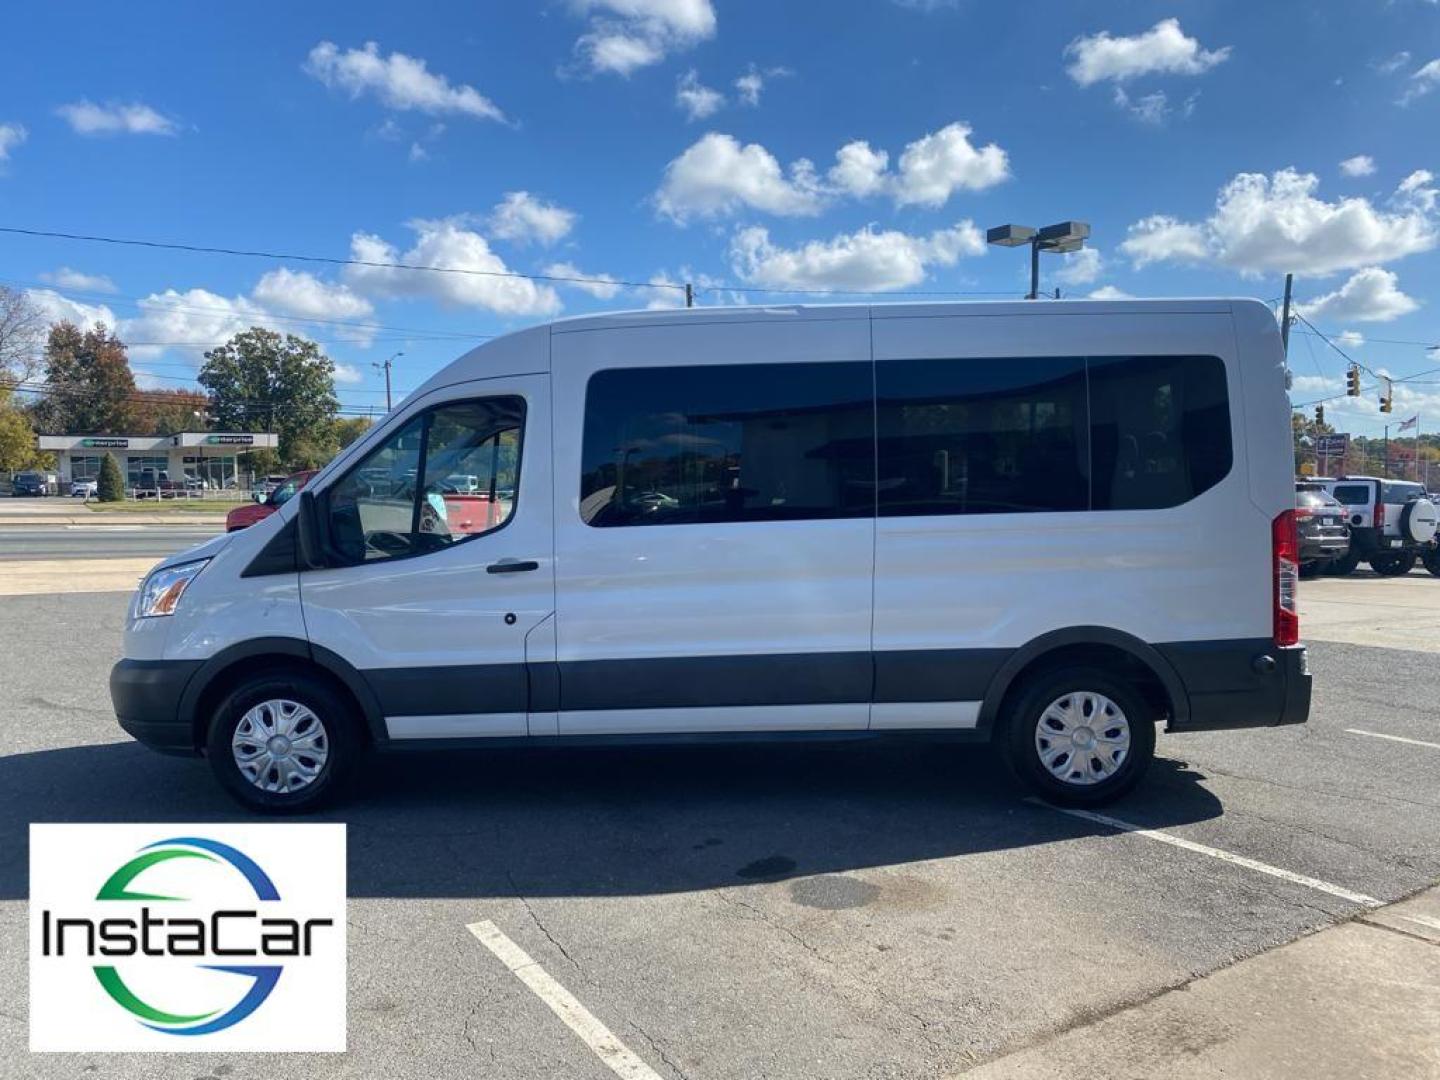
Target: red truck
point(242, 517)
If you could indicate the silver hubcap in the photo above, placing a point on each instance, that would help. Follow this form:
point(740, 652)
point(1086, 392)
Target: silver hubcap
point(1082, 738)
point(280, 746)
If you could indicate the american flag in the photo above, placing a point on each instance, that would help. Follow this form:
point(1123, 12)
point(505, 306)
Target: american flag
point(1410, 423)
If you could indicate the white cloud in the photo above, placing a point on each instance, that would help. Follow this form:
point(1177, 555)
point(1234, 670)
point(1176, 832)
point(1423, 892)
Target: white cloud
point(865, 260)
point(600, 286)
point(115, 118)
point(1350, 339)
point(716, 175)
point(348, 374)
point(1416, 191)
point(1162, 238)
point(859, 170)
point(1162, 50)
point(11, 136)
point(1371, 295)
point(751, 84)
point(1421, 82)
point(54, 308)
point(67, 278)
point(446, 243)
point(1359, 165)
point(524, 218)
point(291, 292)
point(188, 322)
point(1392, 64)
point(935, 166)
point(418, 153)
point(1080, 267)
point(1109, 292)
point(697, 100)
point(400, 82)
point(625, 35)
point(1153, 108)
point(1275, 224)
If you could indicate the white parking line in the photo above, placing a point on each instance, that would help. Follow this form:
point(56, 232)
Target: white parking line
point(1394, 738)
point(1223, 856)
point(610, 1050)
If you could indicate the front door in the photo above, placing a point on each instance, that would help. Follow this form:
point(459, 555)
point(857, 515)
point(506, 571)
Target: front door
point(442, 554)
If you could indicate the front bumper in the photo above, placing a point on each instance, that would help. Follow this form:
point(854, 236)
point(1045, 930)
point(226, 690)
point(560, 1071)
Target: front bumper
point(1239, 684)
point(146, 695)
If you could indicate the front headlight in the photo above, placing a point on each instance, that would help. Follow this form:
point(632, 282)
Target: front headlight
point(161, 593)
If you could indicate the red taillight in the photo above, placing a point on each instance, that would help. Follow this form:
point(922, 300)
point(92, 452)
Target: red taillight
point(1285, 549)
point(1379, 515)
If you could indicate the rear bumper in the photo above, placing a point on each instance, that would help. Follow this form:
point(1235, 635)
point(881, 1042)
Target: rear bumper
point(146, 695)
point(1239, 684)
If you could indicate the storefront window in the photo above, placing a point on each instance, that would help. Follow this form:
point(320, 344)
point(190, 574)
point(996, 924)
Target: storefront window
point(85, 468)
point(136, 464)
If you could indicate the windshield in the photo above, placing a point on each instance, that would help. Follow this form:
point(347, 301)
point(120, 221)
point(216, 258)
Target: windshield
point(282, 494)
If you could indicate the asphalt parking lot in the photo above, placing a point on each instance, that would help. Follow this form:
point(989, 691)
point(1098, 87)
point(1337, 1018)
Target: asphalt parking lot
point(801, 911)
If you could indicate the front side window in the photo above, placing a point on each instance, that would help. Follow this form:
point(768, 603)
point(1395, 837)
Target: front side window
point(403, 497)
point(727, 443)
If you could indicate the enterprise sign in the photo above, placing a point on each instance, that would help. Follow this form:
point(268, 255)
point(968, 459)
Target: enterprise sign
point(115, 444)
point(230, 440)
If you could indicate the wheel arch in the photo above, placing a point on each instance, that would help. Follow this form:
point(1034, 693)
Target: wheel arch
point(1101, 646)
point(223, 670)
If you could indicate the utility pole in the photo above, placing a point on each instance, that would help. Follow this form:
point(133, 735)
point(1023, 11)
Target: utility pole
point(1034, 271)
point(386, 368)
point(1285, 315)
point(689, 295)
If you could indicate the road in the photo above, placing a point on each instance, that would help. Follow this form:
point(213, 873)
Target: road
point(29, 542)
point(842, 911)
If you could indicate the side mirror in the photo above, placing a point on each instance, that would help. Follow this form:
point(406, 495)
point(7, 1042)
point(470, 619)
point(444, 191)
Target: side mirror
point(310, 533)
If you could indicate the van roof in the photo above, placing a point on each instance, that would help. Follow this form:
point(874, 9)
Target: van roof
point(901, 310)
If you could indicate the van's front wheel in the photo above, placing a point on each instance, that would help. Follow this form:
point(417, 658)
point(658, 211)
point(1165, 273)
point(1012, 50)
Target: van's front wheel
point(1079, 737)
point(283, 743)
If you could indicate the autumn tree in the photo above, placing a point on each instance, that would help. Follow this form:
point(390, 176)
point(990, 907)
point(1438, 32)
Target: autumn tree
point(164, 412)
point(90, 387)
point(261, 381)
point(350, 429)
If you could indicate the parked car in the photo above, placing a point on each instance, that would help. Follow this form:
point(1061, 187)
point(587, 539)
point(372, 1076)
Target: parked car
point(1392, 523)
point(31, 484)
point(84, 489)
point(156, 484)
point(242, 517)
point(1320, 522)
point(271, 482)
point(856, 537)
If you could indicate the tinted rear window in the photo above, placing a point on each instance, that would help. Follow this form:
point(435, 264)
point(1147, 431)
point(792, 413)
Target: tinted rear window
point(1399, 493)
point(1354, 494)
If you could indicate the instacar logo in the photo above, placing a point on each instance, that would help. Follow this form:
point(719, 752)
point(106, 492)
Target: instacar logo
point(188, 943)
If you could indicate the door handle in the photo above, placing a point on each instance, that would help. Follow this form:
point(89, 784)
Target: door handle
point(512, 566)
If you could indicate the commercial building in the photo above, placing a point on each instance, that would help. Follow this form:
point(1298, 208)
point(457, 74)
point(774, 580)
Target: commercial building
point(218, 458)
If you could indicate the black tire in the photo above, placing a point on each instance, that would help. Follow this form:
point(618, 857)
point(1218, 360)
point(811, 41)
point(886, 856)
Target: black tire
point(1393, 565)
point(1431, 559)
point(344, 741)
point(1344, 565)
point(1019, 742)
point(1311, 569)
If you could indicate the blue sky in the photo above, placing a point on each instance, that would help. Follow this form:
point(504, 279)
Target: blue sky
point(732, 143)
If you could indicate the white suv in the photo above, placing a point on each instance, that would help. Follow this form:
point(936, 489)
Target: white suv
point(1392, 524)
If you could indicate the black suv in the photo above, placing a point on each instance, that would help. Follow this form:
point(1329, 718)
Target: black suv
point(1320, 523)
point(30, 483)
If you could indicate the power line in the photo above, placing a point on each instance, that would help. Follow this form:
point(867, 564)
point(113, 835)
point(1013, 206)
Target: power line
point(571, 279)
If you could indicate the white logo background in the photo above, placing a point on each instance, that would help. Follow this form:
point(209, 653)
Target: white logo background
point(69, 1010)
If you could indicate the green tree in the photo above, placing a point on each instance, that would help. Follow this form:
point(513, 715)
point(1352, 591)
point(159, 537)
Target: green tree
point(90, 386)
point(260, 381)
point(17, 437)
point(348, 430)
point(111, 485)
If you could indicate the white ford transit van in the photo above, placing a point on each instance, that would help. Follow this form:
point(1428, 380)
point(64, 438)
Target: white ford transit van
point(1044, 525)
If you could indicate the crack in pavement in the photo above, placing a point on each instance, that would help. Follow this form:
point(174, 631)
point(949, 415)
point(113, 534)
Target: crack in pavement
point(659, 1050)
point(540, 925)
point(765, 918)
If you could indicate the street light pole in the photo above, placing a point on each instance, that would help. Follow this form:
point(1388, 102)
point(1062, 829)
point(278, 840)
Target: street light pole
point(1061, 238)
point(386, 368)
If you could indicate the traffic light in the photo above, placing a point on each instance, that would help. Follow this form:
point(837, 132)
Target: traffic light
point(1352, 381)
point(1319, 415)
point(1387, 404)
point(1387, 395)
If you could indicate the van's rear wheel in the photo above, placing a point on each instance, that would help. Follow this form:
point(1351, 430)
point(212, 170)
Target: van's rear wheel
point(283, 743)
point(1079, 737)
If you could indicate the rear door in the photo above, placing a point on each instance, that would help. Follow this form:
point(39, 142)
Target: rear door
point(1358, 499)
point(434, 591)
point(714, 525)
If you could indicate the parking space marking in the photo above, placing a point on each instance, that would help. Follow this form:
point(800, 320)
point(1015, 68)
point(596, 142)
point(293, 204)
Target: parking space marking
point(1217, 853)
point(1393, 738)
point(616, 1055)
